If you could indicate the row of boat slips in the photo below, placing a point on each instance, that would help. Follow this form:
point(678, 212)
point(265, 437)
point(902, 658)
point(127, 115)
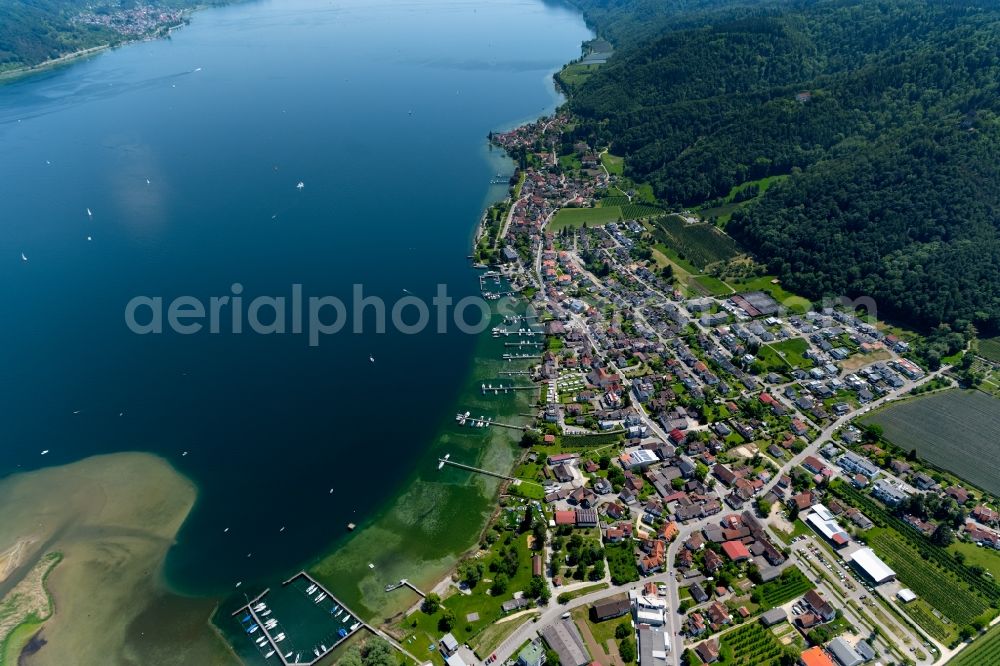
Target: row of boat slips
point(297, 624)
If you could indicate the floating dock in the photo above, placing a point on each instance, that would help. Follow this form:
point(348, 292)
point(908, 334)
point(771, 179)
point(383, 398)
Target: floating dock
point(496, 390)
point(483, 422)
point(291, 614)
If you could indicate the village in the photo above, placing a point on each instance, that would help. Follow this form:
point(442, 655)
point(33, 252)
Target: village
point(702, 476)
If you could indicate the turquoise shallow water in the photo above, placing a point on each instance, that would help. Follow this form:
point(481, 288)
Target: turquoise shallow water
point(381, 111)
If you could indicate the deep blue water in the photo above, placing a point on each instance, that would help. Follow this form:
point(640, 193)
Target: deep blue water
point(381, 111)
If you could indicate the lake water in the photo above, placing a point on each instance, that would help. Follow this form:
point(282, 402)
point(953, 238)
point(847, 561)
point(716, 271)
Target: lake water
point(381, 111)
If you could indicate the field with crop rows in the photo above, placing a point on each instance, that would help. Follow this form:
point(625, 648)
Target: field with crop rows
point(955, 430)
point(985, 650)
point(701, 244)
point(790, 585)
point(749, 645)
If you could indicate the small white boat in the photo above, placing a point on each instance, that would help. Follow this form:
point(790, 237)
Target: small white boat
point(371, 358)
point(300, 185)
point(45, 451)
point(354, 627)
point(239, 583)
point(321, 597)
point(89, 214)
point(288, 655)
point(311, 589)
point(269, 654)
point(198, 69)
point(371, 565)
point(147, 181)
point(226, 530)
point(23, 257)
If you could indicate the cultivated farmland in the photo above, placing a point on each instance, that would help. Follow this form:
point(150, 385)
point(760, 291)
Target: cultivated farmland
point(990, 349)
point(749, 645)
point(985, 650)
point(955, 430)
point(577, 217)
point(790, 585)
point(701, 244)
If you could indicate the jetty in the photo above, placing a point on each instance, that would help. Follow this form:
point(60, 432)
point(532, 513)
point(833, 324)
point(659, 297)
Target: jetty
point(483, 422)
point(495, 390)
point(516, 373)
point(300, 650)
point(404, 583)
point(446, 461)
point(520, 357)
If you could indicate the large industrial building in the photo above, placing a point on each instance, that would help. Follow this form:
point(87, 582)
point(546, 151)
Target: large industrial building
point(868, 563)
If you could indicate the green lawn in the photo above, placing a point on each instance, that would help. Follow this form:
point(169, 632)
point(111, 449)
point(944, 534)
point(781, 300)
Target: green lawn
point(603, 631)
point(725, 210)
point(577, 217)
point(785, 354)
point(614, 164)
point(490, 638)
point(570, 162)
point(711, 285)
point(791, 301)
point(985, 557)
point(576, 74)
point(424, 628)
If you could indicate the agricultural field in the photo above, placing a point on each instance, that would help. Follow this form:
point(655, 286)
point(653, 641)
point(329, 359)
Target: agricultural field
point(749, 645)
point(577, 217)
point(701, 244)
point(792, 583)
point(710, 285)
point(985, 650)
point(614, 164)
point(935, 585)
point(576, 74)
point(955, 430)
point(639, 211)
point(989, 349)
point(614, 201)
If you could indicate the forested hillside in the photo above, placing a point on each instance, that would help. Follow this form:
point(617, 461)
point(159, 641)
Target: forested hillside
point(34, 31)
point(884, 113)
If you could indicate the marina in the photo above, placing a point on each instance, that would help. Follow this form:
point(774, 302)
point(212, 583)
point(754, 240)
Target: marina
point(297, 624)
point(500, 388)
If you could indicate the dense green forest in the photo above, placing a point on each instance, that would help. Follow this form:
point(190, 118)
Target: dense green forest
point(884, 113)
point(35, 31)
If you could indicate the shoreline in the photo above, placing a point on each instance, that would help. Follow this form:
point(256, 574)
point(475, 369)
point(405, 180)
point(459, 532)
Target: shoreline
point(25, 71)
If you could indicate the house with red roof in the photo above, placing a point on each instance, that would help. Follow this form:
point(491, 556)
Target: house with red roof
point(736, 551)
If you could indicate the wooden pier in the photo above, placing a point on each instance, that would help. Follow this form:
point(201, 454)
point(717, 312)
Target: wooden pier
point(495, 390)
point(516, 373)
point(521, 357)
point(470, 468)
point(405, 583)
point(523, 344)
point(485, 423)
